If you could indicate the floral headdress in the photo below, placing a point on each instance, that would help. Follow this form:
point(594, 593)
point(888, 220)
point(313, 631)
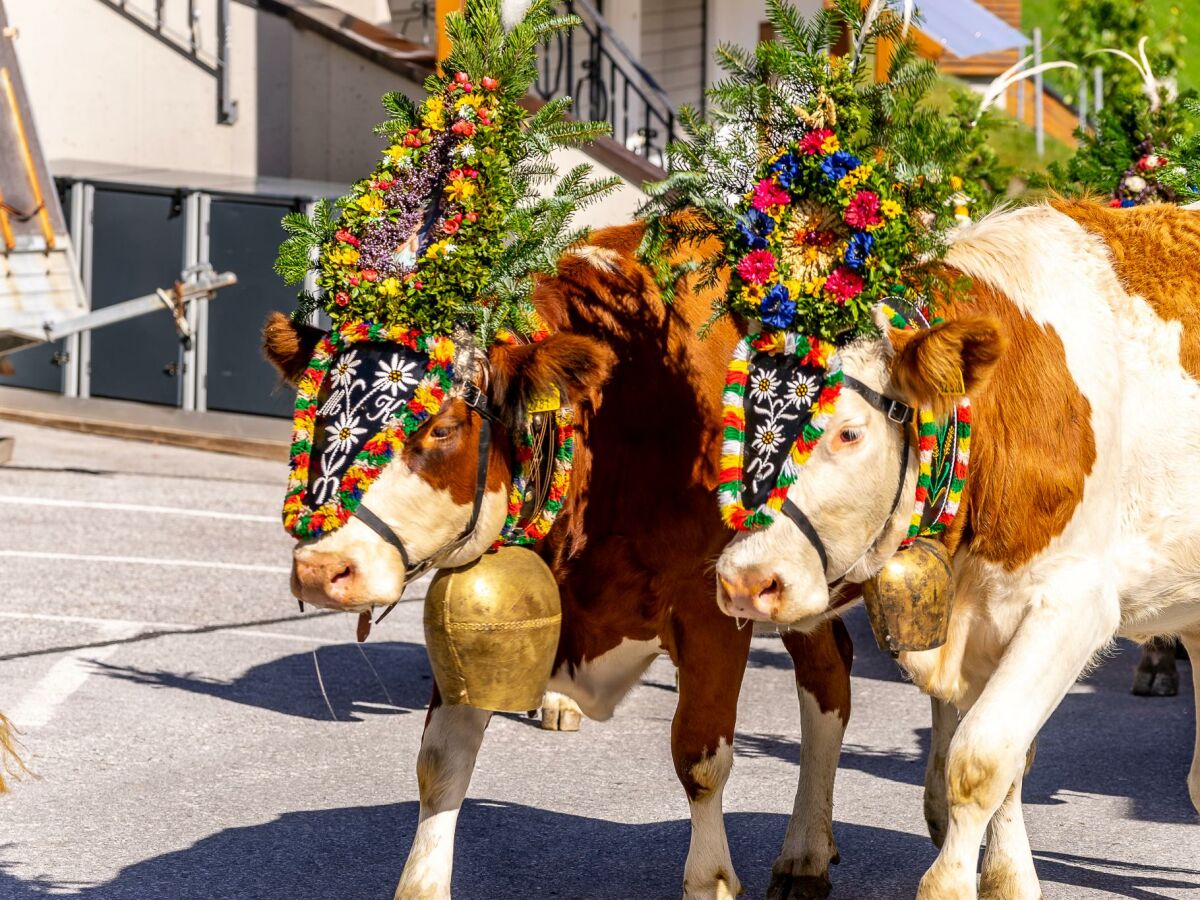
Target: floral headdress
point(436, 251)
point(829, 195)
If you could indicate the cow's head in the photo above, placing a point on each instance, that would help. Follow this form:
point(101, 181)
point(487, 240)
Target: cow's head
point(426, 494)
point(857, 488)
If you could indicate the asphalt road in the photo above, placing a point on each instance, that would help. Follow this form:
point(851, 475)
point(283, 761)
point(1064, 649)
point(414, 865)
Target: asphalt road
point(194, 736)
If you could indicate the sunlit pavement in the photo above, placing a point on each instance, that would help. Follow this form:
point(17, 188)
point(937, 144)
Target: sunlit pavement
point(195, 736)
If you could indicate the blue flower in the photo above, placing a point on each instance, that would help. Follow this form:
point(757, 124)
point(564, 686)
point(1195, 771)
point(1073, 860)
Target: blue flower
point(755, 225)
point(787, 168)
point(859, 248)
point(1126, 204)
point(778, 309)
point(837, 166)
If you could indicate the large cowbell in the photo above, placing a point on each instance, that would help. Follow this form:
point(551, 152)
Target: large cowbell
point(367, 387)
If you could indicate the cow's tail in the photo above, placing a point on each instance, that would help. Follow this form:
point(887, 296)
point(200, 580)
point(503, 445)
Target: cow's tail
point(10, 763)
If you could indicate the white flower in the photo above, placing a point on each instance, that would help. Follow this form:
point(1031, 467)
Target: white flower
point(802, 390)
point(466, 151)
point(344, 431)
point(1135, 184)
point(763, 384)
point(345, 369)
point(395, 376)
point(768, 436)
point(449, 248)
point(405, 258)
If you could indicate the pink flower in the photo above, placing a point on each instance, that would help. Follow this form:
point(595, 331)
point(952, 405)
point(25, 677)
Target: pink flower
point(863, 211)
point(843, 285)
point(813, 142)
point(768, 194)
point(756, 266)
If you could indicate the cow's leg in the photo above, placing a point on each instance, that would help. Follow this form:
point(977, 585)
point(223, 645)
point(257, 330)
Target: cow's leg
point(444, 766)
point(1156, 674)
point(560, 712)
point(711, 653)
point(1052, 645)
point(1192, 643)
point(822, 660)
point(943, 724)
point(1007, 872)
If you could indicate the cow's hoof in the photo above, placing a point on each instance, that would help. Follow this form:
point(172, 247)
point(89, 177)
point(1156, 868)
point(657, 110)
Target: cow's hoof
point(560, 713)
point(799, 887)
point(1150, 682)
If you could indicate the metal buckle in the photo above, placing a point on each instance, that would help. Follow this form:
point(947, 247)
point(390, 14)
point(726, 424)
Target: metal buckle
point(905, 412)
point(474, 397)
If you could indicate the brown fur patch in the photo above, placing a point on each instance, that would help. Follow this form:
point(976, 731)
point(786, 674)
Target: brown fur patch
point(449, 462)
point(934, 366)
point(289, 346)
point(1032, 445)
point(577, 364)
point(1156, 253)
point(823, 659)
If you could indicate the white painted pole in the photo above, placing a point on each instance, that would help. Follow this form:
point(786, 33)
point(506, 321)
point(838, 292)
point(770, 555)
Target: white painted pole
point(1039, 100)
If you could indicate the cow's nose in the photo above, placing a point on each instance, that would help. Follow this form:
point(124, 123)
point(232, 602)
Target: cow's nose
point(751, 595)
point(330, 576)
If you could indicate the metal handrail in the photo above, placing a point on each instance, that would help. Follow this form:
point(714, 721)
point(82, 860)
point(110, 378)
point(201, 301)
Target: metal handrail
point(608, 84)
point(216, 64)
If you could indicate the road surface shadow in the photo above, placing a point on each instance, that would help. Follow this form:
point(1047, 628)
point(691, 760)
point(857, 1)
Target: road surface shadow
point(510, 850)
point(341, 681)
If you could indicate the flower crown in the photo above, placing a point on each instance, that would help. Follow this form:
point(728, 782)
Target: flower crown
point(448, 231)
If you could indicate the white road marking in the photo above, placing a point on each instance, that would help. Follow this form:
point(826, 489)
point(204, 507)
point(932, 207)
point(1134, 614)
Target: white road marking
point(143, 561)
point(136, 508)
point(65, 677)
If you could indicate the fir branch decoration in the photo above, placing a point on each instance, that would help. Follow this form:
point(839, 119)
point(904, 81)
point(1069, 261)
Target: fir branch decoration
point(450, 230)
point(892, 171)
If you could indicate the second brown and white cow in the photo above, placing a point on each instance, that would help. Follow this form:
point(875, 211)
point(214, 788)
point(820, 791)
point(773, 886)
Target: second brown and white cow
point(1079, 346)
point(632, 552)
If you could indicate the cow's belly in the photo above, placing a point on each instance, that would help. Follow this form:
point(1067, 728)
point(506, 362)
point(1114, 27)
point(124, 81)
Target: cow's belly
point(599, 684)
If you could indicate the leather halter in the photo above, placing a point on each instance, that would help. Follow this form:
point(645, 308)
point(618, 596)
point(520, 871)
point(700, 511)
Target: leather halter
point(897, 412)
point(476, 400)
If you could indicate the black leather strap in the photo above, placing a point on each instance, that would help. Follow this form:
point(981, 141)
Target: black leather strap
point(382, 529)
point(896, 411)
point(796, 514)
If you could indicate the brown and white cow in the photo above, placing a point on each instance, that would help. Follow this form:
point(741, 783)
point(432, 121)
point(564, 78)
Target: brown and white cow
point(632, 552)
point(1079, 346)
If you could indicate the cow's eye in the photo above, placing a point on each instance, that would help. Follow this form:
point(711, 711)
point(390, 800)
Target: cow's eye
point(850, 436)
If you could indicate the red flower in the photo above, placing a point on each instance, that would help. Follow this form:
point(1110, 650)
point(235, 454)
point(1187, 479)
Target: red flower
point(1115, 202)
point(463, 127)
point(812, 142)
point(472, 216)
point(767, 194)
point(383, 184)
point(355, 280)
point(369, 274)
point(756, 266)
point(452, 224)
point(863, 211)
point(346, 237)
point(418, 284)
point(462, 77)
point(489, 84)
point(843, 285)
point(412, 140)
point(342, 298)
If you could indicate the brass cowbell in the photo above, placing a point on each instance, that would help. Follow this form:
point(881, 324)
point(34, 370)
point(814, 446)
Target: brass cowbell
point(909, 601)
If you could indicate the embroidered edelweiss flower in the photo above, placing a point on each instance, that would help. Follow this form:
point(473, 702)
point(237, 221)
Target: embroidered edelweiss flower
point(345, 369)
point(344, 431)
point(768, 436)
point(763, 384)
point(802, 390)
point(395, 376)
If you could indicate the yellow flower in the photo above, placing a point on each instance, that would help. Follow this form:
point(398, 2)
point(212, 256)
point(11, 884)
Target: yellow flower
point(461, 189)
point(389, 287)
point(862, 173)
point(891, 208)
point(435, 249)
point(424, 396)
point(371, 204)
point(396, 153)
point(956, 183)
point(848, 182)
point(815, 287)
point(831, 144)
point(472, 100)
point(344, 255)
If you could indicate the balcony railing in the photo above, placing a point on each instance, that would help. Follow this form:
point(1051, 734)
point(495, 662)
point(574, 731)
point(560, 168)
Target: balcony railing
point(608, 83)
point(198, 30)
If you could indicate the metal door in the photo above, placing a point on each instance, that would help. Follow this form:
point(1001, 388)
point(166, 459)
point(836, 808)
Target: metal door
point(138, 245)
point(244, 238)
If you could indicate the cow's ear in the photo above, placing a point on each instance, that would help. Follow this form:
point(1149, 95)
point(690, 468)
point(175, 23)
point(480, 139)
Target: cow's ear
point(522, 372)
point(934, 367)
point(289, 346)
